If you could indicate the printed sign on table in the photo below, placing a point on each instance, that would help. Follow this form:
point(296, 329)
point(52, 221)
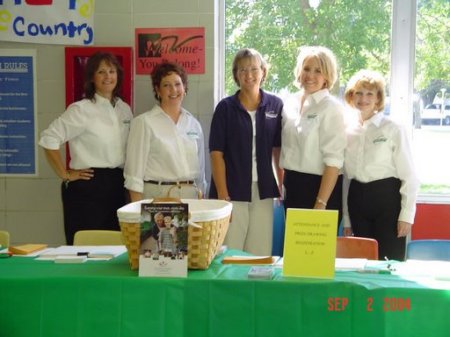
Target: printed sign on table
point(185, 46)
point(310, 243)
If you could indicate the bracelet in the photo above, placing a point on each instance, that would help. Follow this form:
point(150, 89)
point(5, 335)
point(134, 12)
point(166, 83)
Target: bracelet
point(67, 180)
point(320, 201)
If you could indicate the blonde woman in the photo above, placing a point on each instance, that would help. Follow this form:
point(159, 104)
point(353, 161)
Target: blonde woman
point(379, 164)
point(313, 137)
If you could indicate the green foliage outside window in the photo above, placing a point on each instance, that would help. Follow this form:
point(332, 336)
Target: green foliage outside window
point(357, 31)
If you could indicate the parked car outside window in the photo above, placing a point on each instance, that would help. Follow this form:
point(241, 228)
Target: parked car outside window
point(433, 114)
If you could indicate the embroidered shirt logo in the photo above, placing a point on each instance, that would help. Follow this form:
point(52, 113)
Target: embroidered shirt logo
point(380, 139)
point(192, 134)
point(271, 114)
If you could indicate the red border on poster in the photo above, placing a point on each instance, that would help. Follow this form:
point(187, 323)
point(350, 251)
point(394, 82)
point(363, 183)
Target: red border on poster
point(185, 46)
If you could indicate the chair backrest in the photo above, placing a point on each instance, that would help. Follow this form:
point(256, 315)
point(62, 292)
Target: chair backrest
point(4, 239)
point(97, 238)
point(356, 247)
point(428, 250)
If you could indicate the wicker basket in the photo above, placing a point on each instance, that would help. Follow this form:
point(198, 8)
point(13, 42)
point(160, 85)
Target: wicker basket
point(204, 240)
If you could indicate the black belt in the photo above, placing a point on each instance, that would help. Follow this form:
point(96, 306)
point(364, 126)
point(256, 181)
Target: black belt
point(185, 182)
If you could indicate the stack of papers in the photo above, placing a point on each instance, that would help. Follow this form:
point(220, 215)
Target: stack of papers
point(90, 252)
point(248, 259)
point(350, 264)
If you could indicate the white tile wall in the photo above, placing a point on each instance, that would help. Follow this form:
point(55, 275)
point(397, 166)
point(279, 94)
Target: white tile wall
point(30, 208)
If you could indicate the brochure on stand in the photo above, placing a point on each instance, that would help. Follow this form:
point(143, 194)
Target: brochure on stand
point(164, 238)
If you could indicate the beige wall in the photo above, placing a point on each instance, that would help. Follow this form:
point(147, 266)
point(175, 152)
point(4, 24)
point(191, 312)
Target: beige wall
point(30, 208)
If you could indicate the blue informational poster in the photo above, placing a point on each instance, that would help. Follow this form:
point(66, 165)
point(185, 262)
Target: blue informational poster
point(17, 113)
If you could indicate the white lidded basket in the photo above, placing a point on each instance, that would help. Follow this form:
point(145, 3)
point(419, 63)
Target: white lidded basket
point(210, 216)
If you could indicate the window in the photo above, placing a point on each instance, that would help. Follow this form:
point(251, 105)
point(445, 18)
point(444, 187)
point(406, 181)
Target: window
point(431, 135)
point(373, 34)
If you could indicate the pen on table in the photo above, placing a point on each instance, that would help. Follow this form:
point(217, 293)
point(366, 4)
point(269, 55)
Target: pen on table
point(389, 265)
point(374, 271)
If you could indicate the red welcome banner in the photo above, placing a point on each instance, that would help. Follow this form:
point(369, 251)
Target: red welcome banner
point(185, 46)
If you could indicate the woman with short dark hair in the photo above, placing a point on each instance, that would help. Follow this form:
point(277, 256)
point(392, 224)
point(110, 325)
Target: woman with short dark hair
point(166, 147)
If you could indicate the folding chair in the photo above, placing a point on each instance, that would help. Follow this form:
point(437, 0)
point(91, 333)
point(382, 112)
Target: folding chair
point(97, 238)
point(428, 250)
point(356, 247)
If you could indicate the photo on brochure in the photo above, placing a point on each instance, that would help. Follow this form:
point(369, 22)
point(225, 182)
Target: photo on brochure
point(164, 230)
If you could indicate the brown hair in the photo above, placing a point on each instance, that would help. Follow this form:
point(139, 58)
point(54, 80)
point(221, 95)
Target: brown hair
point(163, 69)
point(250, 54)
point(93, 64)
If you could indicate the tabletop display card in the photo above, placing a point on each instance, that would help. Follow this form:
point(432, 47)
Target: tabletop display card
point(310, 243)
point(164, 235)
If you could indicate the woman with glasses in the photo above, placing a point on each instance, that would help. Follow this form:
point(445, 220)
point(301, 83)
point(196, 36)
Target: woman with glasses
point(244, 142)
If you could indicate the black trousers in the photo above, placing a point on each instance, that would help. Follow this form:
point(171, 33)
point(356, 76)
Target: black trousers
point(302, 188)
point(92, 204)
point(374, 208)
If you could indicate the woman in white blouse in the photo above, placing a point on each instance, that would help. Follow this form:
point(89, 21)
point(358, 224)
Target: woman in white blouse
point(96, 129)
point(379, 165)
point(165, 152)
point(313, 135)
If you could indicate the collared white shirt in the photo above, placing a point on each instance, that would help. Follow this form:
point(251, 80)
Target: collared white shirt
point(160, 150)
point(97, 133)
point(315, 137)
point(379, 149)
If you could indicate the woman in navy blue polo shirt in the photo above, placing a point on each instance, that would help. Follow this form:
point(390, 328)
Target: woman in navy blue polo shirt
point(244, 141)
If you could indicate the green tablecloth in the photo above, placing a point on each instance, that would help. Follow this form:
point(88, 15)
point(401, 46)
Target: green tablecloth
point(106, 298)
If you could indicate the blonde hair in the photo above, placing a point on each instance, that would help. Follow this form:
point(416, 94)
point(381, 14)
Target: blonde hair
point(327, 62)
point(368, 79)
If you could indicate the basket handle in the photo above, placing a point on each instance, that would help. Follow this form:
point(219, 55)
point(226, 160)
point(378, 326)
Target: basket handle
point(178, 201)
point(166, 199)
point(199, 193)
